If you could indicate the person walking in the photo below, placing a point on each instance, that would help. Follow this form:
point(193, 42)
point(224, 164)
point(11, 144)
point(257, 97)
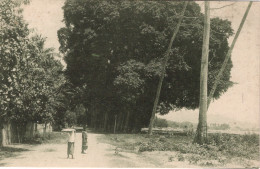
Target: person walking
point(84, 141)
point(71, 143)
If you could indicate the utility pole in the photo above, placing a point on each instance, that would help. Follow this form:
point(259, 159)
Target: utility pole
point(201, 134)
point(163, 69)
point(216, 82)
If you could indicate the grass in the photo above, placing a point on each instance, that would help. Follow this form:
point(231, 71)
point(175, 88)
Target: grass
point(220, 150)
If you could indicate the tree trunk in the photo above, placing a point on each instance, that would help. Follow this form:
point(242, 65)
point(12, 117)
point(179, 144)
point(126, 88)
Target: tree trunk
point(216, 82)
point(3, 137)
point(18, 134)
point(32, 129)
point(35, 129)
point(9, 132)
point(163, 69)
point(6, 134)
point(105, 121)
point(120, 122)
point(127, 121)
point(122, 119)
point(115, 125)
point(44, 130)
point(94, 117)
point(201, 134)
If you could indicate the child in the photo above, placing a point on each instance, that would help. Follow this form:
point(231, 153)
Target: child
point(84, 140)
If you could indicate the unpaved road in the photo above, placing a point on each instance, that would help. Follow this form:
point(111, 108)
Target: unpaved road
point(98, 155)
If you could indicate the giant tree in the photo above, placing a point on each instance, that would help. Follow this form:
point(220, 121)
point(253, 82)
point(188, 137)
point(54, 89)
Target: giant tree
point(116, 49)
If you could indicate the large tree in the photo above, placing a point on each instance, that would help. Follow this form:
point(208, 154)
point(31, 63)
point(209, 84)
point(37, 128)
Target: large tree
point(30, 76)
point(116, 49)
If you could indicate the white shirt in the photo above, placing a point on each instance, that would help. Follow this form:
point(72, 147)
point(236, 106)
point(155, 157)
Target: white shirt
point(72, 136)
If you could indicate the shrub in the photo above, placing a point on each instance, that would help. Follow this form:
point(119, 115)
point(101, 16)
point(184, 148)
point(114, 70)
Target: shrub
point(180, 157)
point(251, 139)
point(47, 138)
point(194, 158)
point(171, 158)
point(147, 147)
point(235, 145)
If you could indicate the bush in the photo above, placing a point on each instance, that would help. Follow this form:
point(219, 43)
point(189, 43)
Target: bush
point(194, 158)
point(180, 157)
point(158, 122)
point(235, 145)
point(171, 158)
point(251, 139)
point(219, 150)
point(53, 137)
point(147, 147)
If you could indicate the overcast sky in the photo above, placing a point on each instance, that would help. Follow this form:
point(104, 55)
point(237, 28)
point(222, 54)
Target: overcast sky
point(239, 103)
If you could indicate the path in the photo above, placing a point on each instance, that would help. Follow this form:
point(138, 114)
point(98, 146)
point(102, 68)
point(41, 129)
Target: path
point(54, 155)
point(98, 155)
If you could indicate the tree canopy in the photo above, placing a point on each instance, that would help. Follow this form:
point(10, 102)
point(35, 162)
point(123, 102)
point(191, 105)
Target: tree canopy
point(115, 50)
point(30, 76)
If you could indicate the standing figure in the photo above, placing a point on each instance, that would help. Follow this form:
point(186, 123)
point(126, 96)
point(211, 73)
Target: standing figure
point(71, 143)
point(84, 141)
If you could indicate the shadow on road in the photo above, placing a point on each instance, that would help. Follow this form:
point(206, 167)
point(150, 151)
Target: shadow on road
point(13, 149)
point(10, 152)
point(2, 164)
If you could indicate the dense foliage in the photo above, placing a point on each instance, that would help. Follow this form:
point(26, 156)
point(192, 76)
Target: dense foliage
point(115, 48)
point(30, 76)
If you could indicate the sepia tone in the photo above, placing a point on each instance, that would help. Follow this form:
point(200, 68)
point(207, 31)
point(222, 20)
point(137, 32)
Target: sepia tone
point(216, 129)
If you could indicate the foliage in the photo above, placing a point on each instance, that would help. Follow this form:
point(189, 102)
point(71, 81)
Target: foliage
point(50, 138)
point(219, 127)
point(160, 122)
point(68, 110)
point(220, 150)
point(115, 49)
point(30, 76)
point(182, 125)
point(70, 118)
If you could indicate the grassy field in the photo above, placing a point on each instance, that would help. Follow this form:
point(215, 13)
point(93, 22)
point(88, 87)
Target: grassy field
point(221, 150)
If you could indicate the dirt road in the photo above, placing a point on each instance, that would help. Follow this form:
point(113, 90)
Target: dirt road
point(98, 155)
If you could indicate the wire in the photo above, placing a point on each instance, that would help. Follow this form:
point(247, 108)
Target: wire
point(223, 6)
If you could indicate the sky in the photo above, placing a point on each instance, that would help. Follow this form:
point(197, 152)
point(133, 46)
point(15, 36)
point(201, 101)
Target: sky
point(239, 104)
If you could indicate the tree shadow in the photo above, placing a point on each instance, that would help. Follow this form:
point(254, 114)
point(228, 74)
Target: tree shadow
point(13, 149)
point(2, 164)
point(10, 152)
